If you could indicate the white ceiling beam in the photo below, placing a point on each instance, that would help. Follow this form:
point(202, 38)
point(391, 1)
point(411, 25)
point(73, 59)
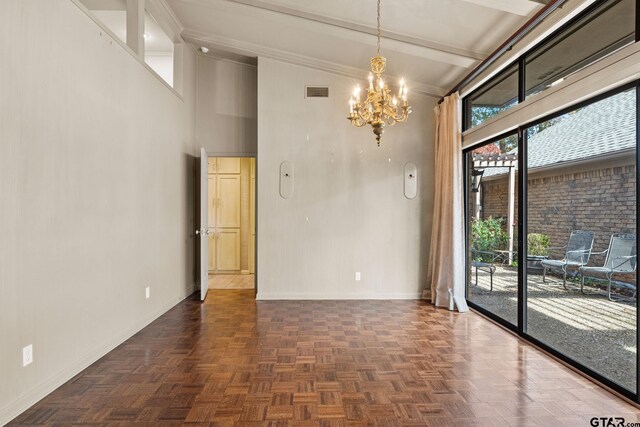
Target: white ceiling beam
point(398, 42)
point(261, 4)
point(250, 49)
point(105, 4)
point(166, 18)
point(515, 7)
point(135, 26)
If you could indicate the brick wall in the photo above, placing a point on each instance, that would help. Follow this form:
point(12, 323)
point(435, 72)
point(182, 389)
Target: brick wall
point(600, 200)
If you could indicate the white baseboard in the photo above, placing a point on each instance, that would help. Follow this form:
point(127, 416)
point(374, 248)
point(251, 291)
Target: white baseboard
point(267, 296)
point(24, 402)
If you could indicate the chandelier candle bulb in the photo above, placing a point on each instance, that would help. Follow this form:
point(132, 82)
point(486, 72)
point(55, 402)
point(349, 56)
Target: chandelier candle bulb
point(370, 81)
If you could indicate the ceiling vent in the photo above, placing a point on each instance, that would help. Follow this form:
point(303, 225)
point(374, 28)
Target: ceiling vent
point(317, 92)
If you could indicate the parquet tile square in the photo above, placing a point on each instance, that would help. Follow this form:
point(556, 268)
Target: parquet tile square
point(232, 361)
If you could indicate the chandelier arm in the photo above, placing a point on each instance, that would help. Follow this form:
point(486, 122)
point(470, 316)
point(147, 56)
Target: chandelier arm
point(359, 122)
point(364, 117)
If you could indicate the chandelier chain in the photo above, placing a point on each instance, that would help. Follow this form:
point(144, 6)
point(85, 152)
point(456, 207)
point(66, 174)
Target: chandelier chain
point(378, 10)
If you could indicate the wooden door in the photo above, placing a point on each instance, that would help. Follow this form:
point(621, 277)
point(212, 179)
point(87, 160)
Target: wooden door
point(225, 214)
point(228, 251)
point(228, 165)
point(204, 232)
point(212, 217)
point(228, 201)
point(252, 218)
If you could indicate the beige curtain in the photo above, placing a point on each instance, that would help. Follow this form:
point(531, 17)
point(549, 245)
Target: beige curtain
point(446, 267)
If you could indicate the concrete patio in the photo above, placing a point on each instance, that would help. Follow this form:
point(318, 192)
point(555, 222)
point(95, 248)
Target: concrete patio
point(594, 331)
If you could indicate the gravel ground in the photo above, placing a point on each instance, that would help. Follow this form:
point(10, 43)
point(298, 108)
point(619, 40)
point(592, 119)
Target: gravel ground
point(594, 331)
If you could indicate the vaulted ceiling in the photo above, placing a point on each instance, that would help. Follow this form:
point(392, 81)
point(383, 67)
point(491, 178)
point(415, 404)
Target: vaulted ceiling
point(433, 43)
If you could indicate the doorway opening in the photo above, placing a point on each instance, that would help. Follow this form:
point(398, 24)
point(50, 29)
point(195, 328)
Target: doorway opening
point(231, 222)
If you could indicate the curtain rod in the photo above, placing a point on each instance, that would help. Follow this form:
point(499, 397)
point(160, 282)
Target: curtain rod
point(508, 44)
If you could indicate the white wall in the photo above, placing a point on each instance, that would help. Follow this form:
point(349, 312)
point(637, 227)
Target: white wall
point(96, 184)
point(348, 212)
point(226, 107)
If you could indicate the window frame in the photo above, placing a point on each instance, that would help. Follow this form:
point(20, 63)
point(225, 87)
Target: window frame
point(522, 60)
point(466, 156)
point(521, 182)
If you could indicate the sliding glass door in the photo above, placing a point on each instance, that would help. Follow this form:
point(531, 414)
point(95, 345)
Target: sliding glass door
point(581, 235)
point(492, 212)
point(567, 184)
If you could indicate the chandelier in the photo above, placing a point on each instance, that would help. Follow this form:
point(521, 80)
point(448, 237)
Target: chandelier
point(380, 107)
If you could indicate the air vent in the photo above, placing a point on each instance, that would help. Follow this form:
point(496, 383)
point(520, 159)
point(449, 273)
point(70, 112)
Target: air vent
point(317, 92)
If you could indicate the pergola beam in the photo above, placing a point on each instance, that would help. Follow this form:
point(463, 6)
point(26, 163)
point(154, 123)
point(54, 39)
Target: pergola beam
point(495, 164)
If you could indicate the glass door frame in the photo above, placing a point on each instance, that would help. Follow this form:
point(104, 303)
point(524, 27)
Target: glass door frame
point(466, 159)
point(521, 328)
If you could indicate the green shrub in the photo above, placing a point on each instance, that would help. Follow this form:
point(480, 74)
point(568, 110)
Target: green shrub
point(488, 235)
point(538, 244)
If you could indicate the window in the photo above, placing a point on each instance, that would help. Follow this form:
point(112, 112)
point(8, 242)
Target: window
point(570, 286)
point(158, 36)
point(601, 30)
point(496, 96)
point(158, 49)
point(553, 257)
point(112, 14)
point(607, 28)
point(492, 220)
point(581, 224)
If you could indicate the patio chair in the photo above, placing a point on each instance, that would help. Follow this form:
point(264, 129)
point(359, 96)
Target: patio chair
point(621, 258)
point(577, 253)
point(484, 266)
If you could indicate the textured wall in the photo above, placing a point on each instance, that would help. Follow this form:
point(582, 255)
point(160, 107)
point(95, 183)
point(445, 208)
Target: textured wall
point(348, 212)
point(96, 178)
point(227, 107)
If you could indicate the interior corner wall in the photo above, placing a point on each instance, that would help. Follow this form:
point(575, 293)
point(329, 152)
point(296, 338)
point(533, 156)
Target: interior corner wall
point(348, 212)
point(226, 107)
point(96, 181)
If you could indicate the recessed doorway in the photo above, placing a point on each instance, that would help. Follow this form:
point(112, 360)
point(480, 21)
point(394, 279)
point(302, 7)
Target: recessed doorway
point(231, 211)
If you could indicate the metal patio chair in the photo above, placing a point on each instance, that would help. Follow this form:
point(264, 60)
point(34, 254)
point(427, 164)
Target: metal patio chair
point(577, 253)
point(483, 266)
point(621, 258)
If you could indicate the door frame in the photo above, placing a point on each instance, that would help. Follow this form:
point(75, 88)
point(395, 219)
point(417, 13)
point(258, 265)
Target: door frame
point(255, 207)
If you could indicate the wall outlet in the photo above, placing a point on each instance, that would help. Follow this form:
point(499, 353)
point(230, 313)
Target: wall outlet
point(357, 276)
point(147, 292)
point(27, 355)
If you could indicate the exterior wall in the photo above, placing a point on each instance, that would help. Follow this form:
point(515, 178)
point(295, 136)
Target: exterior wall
point(599, 200)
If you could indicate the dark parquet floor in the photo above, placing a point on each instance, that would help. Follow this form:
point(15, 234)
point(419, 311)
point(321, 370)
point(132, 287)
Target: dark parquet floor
point(233, 361)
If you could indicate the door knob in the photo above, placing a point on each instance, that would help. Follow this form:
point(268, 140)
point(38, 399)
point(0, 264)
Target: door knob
point(197, 231)
point(208, 231)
